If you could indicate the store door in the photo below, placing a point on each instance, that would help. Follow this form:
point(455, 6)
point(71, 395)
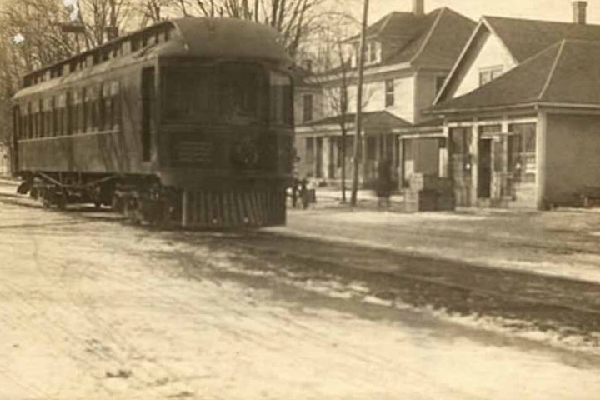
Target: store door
point(484, 170)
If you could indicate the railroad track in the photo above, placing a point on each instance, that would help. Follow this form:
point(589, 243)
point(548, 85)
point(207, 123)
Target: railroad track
point(549, 303)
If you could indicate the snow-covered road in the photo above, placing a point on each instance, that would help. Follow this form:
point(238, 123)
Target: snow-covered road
point(93, 309)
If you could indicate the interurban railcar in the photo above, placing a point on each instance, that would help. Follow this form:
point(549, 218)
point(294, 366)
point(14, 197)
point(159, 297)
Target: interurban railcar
point(186, 122)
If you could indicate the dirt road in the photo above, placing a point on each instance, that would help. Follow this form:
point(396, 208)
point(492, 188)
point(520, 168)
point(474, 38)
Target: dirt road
point(94, 309)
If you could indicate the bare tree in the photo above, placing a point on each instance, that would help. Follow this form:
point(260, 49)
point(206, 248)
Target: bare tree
point(293, 19)
point(35, 36)
point(336, 77)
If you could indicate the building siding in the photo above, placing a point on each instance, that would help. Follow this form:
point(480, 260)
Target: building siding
point(487, 51)
point(572, 161)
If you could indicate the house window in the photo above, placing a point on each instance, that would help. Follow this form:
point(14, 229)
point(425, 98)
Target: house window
point(522, 152)
point(487, 75)
point(389, 92)
point(310, 150)
point(343, 99)
point(373, 52)
point(307, 108)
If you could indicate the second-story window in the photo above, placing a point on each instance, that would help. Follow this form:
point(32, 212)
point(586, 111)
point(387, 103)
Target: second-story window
point(389, 92)
point(489, 74)
point(307, 108)
point(372, 52)
point(343, 99)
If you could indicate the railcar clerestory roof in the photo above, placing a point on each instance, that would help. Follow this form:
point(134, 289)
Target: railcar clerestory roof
point(230, 37)
point(219, 38)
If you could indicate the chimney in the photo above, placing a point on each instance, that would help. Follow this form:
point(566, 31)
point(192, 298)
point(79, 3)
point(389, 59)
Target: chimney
point(579, 12)
point(418, 7)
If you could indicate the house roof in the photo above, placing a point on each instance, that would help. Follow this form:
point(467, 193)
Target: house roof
point(439, 42)
point(566, 73)
point(434, 38)
point(525, 38)
point(371, 120)
point(522, 38)
point(395, 24)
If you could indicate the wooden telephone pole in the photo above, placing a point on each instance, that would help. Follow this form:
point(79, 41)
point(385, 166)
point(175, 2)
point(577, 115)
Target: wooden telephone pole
point(359, 94)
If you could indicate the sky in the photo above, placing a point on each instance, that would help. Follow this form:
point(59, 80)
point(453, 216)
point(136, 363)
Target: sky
point(551, 10)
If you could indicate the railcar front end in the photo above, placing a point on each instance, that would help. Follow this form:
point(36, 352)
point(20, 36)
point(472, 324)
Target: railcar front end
point(225, 141)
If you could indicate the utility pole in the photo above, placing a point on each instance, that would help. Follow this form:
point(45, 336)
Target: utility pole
point(359, 93)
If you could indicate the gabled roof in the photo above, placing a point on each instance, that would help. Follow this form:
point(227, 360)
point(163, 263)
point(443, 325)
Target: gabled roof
point(435, 38)
point(445, 40)
point(565, 74)
point(522, 38)
point(525, 38)
point(375, 119)
point(395, 24)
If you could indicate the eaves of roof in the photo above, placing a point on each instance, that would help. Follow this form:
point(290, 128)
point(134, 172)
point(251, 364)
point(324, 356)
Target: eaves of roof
point(563, 75)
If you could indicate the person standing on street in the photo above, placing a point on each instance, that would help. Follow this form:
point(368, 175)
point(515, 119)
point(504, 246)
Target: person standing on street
point(384, 184)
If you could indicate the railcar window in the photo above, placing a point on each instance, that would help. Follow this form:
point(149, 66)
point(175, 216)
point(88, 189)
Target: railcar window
point(280, 99)
point(242, 96)
point(77, 112)
point(42, 118)
point(29, 121)
point(232, 93)
point(49, 123)
point(92, 108)
point(189, 94)
point(36, 106)
point(116, 105)
point(85, 113)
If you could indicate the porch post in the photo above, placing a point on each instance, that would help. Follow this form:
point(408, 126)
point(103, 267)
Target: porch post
point(315, 157)
point(540, 156)
point(444, 153)
point(505, 186)
point(400, 156)
point(365, 163)
point(475, 162)
point(325, 155)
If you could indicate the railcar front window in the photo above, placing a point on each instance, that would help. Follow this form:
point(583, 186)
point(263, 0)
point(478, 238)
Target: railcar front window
point(229, 93)
point(241, 94)
point(189, 94)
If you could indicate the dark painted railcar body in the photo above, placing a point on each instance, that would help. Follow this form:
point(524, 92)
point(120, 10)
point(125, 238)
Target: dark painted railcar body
point(186, 122)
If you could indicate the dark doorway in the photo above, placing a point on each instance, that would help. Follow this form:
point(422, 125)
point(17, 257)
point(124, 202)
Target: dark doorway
point(331, 157)
point(147, 111)
point(484, 168)
point(319, 166)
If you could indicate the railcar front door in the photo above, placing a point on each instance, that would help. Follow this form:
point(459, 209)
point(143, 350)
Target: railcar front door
point(148, 98)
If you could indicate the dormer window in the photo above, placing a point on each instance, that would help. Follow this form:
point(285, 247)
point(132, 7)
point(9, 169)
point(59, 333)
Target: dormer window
point(489, 74)
point(373, 52)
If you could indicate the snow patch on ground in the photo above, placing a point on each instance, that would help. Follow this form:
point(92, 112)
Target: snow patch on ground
point(374, 217)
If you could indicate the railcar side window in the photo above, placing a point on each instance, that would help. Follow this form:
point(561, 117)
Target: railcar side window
point(86, 110)
point(54, 116)
point(76, 112)
point(116, 105)
point(29, 121)
point(280, 99)
point(92, 109)
point(41, 119)
point(34, 117)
